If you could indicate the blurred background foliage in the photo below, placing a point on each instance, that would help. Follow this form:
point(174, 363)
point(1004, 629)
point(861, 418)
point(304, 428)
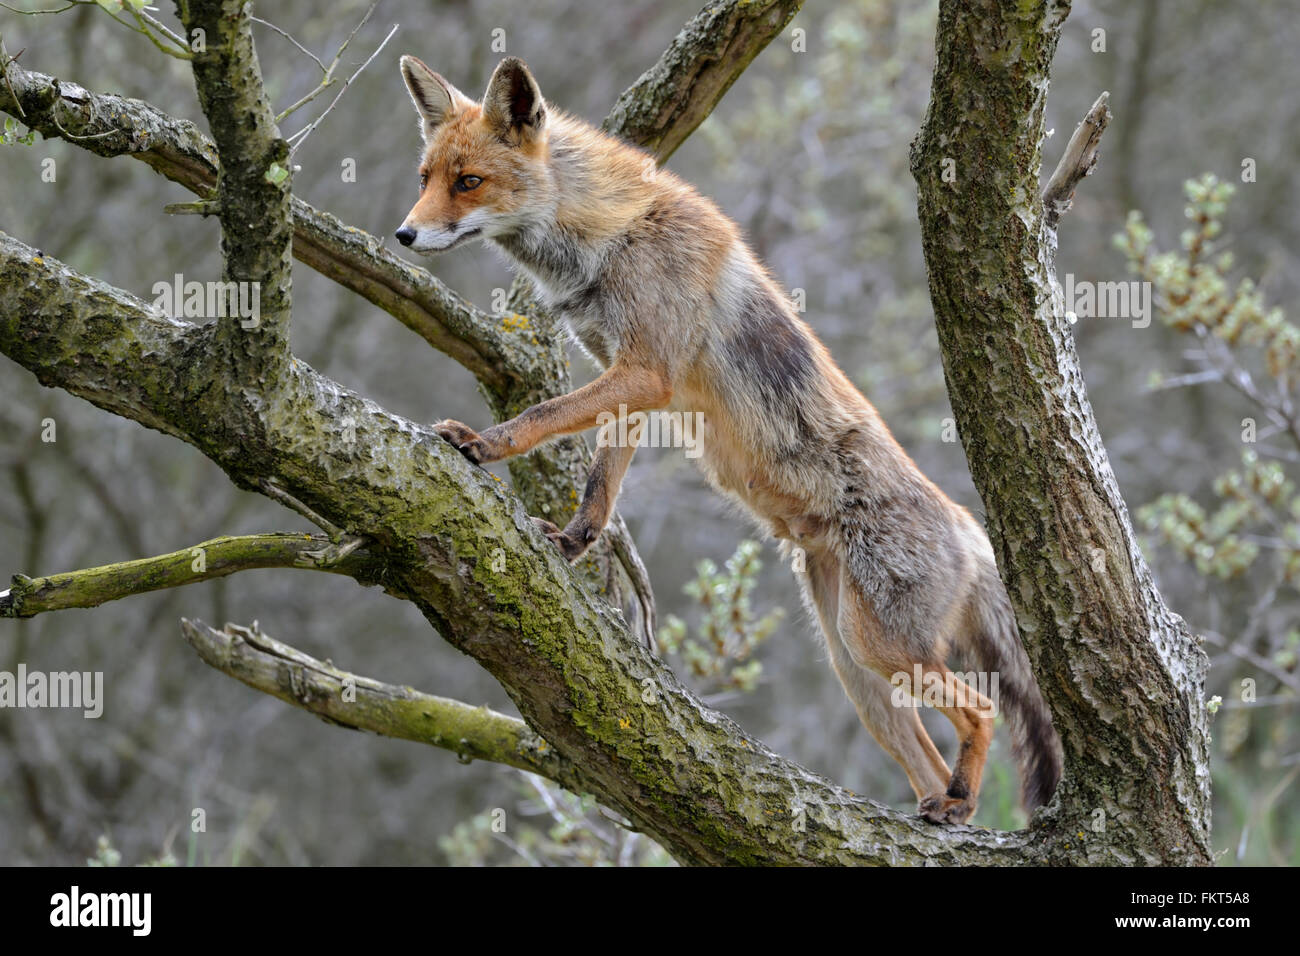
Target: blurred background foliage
point(809, 152)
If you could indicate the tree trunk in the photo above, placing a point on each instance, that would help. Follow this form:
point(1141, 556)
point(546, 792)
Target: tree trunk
point(1122, 676)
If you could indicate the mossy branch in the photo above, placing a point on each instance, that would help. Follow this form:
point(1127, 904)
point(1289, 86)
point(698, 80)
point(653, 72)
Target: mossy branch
point(361, 703)
point(252, 190)
point(216, 558)
point(678, 93)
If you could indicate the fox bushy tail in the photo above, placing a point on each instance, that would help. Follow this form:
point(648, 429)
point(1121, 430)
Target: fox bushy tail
point(996, 648)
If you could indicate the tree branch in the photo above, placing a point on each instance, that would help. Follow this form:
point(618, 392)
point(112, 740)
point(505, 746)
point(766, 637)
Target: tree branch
point(142, 337)
point(1078, 160)
point(678, 93)
point(253, 188)
point(217, 558)
point(415, 297)
point(361, 703)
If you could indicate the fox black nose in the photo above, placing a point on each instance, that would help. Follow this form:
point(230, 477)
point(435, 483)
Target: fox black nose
point(406, 235)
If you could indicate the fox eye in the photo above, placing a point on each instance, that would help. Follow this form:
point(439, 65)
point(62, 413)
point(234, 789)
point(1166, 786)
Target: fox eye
point(466, 183)
point(424, 181)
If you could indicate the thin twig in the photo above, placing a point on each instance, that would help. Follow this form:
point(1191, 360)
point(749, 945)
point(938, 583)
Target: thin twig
point(625, 550)
point(298, 138)
point(1219, 363)
point(140, 28)
point(327, 79)
point(54, 118)
point(37, 13)
point(1183, 381)
point(293, 504)
point(355, 30)
point(162, 28)
point(1237, 649)
point(1219, 356)
point(287, 36)
point(1269, 700)
point(5, 60)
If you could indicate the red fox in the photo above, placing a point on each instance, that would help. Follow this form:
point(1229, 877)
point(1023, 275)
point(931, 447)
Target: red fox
point(662, 291)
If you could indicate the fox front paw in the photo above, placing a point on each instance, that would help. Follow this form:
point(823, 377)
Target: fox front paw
point(570, 546)
point(479, 449)
point(941, 808)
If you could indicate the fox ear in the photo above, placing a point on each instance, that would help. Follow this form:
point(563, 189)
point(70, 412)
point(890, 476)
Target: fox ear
point(513, 104)
point(435, 99)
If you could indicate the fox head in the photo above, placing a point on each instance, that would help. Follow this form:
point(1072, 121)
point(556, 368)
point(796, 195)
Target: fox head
point(484, 165)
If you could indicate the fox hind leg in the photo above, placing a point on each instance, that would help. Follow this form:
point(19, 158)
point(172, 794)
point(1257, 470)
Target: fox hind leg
point(971, 714)
point(898, 730)
point(870, 647)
